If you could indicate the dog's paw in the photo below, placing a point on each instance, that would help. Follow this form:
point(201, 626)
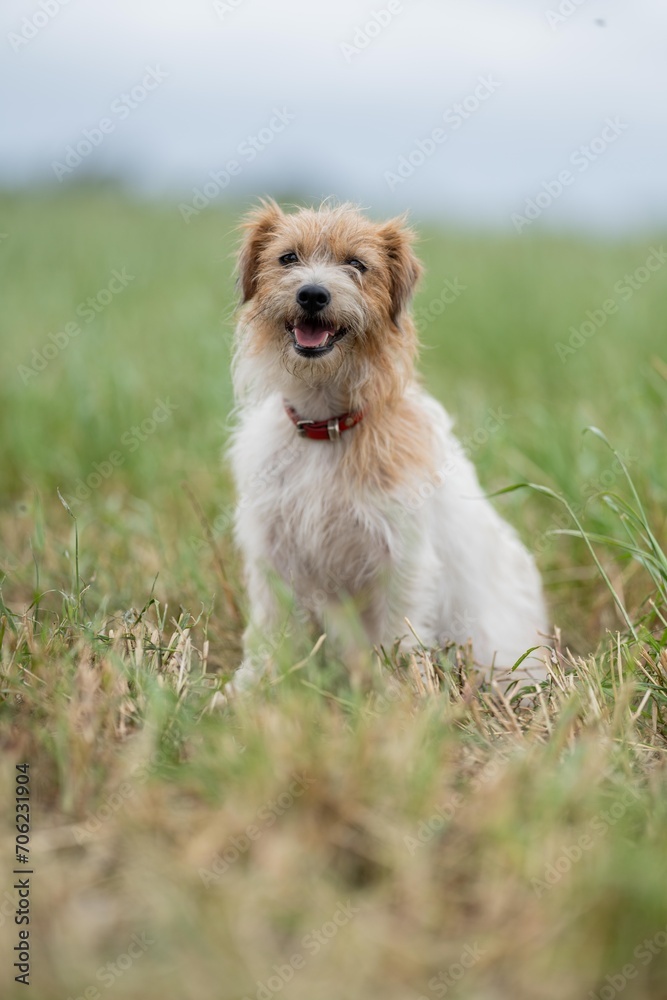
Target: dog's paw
point(244, 680)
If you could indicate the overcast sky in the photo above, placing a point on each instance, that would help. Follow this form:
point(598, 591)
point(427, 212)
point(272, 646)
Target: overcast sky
point(313, 98)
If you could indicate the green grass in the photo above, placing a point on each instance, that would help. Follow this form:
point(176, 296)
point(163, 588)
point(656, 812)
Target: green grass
point(543, 870)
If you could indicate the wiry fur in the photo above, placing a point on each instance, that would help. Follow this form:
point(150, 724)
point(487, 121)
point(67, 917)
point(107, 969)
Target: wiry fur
point(391, 515)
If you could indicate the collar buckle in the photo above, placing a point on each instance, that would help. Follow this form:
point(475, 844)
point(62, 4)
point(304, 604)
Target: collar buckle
point(301, 427)
point(323, 430)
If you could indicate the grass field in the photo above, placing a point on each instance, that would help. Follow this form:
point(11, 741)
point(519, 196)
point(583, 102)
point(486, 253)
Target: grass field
point(338, 835)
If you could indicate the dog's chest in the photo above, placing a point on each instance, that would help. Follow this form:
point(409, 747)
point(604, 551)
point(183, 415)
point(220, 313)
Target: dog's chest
point(314, 526)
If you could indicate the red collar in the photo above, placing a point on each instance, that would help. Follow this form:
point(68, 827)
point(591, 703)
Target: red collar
point(323, 430)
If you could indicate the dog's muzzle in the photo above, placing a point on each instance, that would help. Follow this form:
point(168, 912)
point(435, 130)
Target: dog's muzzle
point(313, 337)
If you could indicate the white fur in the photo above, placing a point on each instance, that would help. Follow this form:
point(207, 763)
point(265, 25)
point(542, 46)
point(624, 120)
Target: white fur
point(435, 551)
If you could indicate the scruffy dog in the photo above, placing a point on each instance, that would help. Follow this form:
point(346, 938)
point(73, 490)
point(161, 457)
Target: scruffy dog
point(352, 487)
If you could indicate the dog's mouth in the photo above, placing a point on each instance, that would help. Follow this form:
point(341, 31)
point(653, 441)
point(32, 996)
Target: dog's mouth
point(313, 338)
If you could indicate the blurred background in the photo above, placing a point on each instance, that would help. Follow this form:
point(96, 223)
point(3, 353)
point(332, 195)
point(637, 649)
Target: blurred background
point(362, 83)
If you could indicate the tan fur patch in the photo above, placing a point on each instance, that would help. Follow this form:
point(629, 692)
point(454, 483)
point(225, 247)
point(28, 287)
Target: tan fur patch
point(372, 365)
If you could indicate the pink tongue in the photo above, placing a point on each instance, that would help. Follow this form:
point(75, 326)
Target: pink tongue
point(310, 335)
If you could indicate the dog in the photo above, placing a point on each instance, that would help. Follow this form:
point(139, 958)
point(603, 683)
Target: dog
point(352, 486)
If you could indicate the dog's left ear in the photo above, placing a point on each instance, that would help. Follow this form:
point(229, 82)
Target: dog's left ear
point(404, 266)
point(259, 225)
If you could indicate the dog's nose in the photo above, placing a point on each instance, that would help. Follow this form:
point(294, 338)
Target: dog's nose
point(313, 298)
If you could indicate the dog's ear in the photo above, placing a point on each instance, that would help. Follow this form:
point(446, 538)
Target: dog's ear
point(404, 266)
point(258, 226)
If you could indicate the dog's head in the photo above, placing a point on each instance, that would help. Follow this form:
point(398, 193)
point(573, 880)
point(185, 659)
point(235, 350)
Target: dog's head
point(326, 292)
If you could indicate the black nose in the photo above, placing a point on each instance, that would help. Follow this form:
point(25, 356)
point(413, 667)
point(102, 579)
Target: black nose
point(313, 298)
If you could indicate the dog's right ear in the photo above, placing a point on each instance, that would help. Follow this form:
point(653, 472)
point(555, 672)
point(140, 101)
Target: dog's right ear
point(404, 266)
point(258, 226)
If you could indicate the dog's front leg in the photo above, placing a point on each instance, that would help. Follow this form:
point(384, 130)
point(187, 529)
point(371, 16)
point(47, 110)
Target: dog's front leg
point(263, 632)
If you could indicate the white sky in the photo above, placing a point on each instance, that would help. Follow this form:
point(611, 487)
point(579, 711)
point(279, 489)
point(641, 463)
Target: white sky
point(353, 119)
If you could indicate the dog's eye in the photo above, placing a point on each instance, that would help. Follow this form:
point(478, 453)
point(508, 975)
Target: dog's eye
point(288, 258)
point(357, 264)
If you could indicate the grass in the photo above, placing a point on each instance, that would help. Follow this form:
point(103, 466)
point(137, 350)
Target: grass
point(344, 833)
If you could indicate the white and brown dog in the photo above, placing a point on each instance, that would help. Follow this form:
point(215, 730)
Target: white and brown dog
point(351, 484)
